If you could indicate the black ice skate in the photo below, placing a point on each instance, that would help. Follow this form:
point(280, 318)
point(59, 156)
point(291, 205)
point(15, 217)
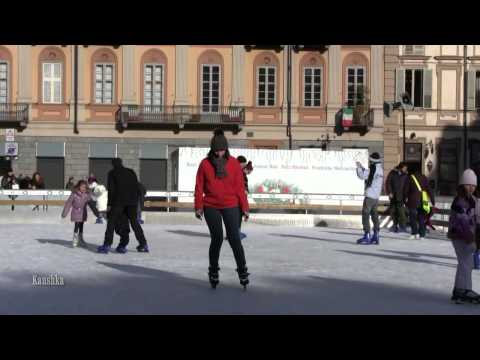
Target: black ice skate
point(243, 276)
point(213, 277)
point(465, 296)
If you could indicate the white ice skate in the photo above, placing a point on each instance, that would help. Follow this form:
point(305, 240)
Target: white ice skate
point(75, 240)
point(414, 237)
point(81, 242)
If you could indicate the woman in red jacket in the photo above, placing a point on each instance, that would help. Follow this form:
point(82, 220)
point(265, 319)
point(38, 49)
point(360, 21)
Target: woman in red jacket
point(220, 194)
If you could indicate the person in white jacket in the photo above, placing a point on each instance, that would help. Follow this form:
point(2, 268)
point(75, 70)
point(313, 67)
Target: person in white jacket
point(100, 197)
point(373, 177)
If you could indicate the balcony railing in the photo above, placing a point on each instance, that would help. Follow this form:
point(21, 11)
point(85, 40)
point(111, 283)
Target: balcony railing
point(179, 117)
point(362, 121)
point(14, 115)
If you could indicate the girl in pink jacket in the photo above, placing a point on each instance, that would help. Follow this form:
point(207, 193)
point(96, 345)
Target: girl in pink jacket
point(77, 203)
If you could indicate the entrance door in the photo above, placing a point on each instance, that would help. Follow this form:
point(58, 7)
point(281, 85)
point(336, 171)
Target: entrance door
point(5, 165)
point(100, 168)
point(153, 174)
point(53, 172)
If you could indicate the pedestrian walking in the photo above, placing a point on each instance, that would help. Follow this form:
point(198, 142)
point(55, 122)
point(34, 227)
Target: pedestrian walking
point(417, 196)
point(394, 188)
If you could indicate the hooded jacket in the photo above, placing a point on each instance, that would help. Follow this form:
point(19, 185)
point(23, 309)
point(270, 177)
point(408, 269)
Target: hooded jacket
point(100, 195)
point(77, 203)
point(375, 190)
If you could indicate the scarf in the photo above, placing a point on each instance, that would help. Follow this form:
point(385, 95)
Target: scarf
point(219, 165)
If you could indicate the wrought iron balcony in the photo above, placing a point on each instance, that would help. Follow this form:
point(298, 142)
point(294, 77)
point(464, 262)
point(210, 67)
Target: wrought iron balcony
point(362, 120)
point(176, 118)
point(13, 115)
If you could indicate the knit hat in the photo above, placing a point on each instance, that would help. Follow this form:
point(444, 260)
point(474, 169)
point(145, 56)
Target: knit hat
point(375, 158)
point(92, 179)
point(219, 141)
point(468, 178)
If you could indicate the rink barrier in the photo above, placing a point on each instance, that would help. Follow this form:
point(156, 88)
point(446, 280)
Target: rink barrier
point(184, 200)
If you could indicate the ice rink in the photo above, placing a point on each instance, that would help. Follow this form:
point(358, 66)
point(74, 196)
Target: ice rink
point(293, 271)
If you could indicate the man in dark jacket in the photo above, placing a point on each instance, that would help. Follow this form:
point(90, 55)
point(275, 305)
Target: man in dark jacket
point(142, 192)
point(413, 199)
point(122, 199)
point(394, 188)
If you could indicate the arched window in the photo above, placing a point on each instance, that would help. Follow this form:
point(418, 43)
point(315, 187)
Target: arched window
point(266, 79)
point(5, 63)
point(52, 80)
point(210, 69)
point(355, 69)
point(104, 67)
point(153, 81)
point(312, 70)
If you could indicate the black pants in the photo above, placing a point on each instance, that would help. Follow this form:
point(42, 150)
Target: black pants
point(417, 221)
point(115, 215)
point(78, 228)
point(92, 204)
point(397, 212)
point(230, 217)
point(122, 229)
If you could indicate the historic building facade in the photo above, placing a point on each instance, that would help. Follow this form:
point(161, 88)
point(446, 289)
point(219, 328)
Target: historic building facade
point(76, 107)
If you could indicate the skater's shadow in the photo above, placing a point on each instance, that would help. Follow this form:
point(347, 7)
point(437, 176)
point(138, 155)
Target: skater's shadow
point(67, 244)
point(189, 233)
point(400, 236)
point(312, 238)
point(401, 258)
point(418, 255)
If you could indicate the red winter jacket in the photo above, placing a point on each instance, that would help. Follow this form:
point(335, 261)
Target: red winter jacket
point(223, 193)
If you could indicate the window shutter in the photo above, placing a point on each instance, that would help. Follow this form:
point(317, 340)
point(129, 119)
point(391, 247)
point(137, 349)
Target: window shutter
point(408, 49)
point(57, 92)
point(427, 89)
point(419, 49)
point(399, 84)
point(471, 80)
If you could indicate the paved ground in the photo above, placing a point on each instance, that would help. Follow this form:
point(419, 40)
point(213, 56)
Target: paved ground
point(294, 271)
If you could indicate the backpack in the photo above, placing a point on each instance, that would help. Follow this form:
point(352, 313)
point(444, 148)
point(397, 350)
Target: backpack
point(425, 198)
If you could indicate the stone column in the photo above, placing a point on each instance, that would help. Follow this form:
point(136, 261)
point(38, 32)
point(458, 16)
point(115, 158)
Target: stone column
point(376, 87)
point(238, 78)
point(25, 83)
point(128, 93)
point(334, 102)
point(181, 75)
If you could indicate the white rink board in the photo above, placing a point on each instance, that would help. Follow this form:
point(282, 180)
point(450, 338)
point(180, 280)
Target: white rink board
point(307, 170)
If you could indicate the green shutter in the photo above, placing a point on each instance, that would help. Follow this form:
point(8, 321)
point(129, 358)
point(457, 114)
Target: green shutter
point(399, 84)
point(427, 89)
point(471, 90)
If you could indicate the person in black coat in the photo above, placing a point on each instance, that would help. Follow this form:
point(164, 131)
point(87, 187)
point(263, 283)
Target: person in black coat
point(394, 188)
point(142, 192)
point(123, 197)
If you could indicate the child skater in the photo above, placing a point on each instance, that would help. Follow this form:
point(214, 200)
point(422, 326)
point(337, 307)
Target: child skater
point(461, 230)
point(77, 203)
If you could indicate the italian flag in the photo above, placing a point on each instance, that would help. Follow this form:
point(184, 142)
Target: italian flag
point(347, 118)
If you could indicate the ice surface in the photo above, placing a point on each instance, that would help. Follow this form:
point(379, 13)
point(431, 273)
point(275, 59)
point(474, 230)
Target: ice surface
point(293, 271)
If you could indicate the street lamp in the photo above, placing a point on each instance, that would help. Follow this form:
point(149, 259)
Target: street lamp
point(405, 104)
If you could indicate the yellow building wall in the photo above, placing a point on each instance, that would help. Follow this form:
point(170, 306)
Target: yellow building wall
point(194, 54)
point(88, 73)
point(169, 89)
point(36, 76)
